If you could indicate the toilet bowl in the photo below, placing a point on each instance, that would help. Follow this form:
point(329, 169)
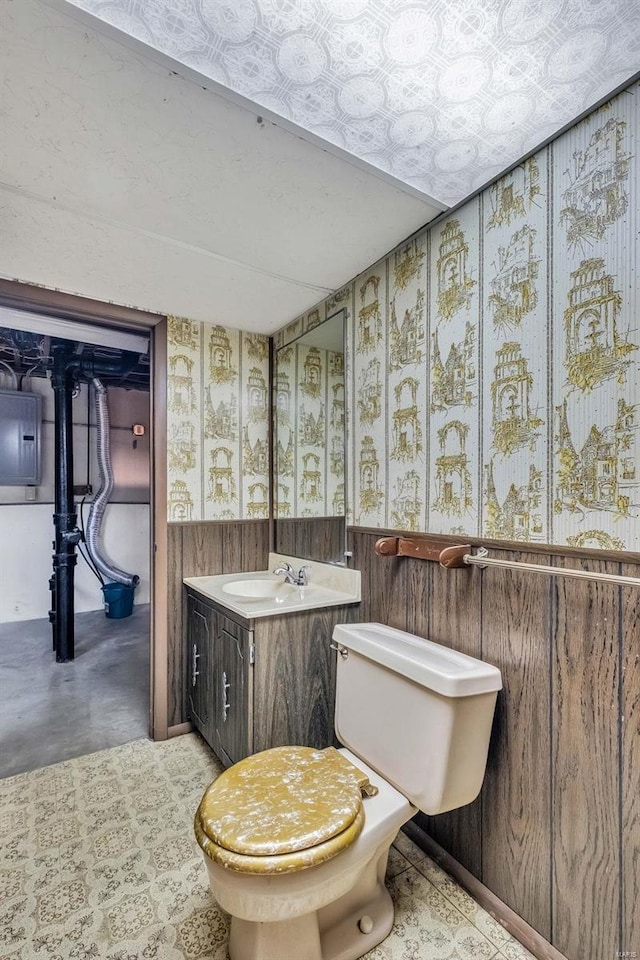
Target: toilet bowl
point(296, 840)
point(314, 912)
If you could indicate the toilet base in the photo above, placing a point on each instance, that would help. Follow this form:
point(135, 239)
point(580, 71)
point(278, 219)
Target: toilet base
point(282, 940)
point(330, 933)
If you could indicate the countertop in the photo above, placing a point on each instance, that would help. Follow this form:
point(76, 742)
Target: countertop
point(329, 586)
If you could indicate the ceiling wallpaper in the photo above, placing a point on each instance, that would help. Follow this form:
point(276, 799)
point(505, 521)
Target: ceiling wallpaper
point(443, 95)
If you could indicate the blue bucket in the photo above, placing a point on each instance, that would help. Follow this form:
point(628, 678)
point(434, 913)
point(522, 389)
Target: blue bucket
point(118, 600)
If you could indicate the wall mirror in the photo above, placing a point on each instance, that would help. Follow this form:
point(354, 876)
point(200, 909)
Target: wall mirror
point(309, 444)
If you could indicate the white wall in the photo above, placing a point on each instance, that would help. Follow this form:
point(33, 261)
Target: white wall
point(130, 465)
point(26, 534)
point(26, 528)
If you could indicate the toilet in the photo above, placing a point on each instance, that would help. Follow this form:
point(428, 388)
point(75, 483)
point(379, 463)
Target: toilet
point(296, 840)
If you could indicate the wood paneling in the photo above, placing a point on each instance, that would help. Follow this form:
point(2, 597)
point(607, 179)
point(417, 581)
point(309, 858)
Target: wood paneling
point(202, 545)
point(177, 687)
point(255, 545)
point(516, 840)
point(385, 584)
point(585, 795)
point(231, 547)
point(418, 584)
point(452, 608)
point(556, 831)
point(199, 550)
point(316, 538)
point(294, 681)
point(630, 767)
point(448, 614)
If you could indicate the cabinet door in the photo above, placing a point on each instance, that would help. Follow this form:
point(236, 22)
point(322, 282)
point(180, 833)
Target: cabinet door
point(233, 721)
point(200, 674)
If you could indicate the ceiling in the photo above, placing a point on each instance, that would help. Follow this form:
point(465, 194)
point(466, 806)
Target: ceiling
point(29, 355)
point(441, 94)
point(125, 181)
point(131, 178)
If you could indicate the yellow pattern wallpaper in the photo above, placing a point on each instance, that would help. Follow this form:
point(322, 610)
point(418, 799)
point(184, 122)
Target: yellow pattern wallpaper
point(309, 399)
point(217, 423)
point(493, 361)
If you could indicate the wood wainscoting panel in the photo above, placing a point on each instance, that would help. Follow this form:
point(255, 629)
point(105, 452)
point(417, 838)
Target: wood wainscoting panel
point(255, 545)
point(516, 796)
point(286, 537)
point(584, 765)
point(201, 549)
point(176, 687)
point(558, 838)
point(294, 681)
point(630, 767)
point(232, 547)
point(448, 612)
point(419, 583)
point(453, 608)
point(386, 595)
point(317, 538)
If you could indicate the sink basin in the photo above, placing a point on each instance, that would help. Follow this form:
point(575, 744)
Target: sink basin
point(259, 593)
point(256, 589)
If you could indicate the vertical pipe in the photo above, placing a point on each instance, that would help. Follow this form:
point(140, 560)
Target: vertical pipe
point(64, 518)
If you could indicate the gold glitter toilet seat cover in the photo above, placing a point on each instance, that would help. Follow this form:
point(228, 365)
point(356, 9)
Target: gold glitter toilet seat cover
point(282, 810)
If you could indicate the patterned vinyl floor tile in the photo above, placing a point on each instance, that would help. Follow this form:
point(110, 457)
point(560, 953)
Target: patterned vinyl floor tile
point(98, 862)
point(474, 913)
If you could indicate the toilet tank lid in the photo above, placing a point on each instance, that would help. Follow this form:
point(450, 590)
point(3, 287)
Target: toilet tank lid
point(445, 671)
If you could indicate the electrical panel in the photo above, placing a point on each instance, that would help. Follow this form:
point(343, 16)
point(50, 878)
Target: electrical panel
point(20, 440)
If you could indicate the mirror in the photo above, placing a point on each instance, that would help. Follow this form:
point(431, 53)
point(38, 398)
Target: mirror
point(309, 441)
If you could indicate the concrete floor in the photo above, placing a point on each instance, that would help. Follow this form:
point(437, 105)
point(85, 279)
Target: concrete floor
point(55, 711)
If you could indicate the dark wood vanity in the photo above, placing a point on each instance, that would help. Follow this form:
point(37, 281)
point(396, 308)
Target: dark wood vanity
point(264, 682)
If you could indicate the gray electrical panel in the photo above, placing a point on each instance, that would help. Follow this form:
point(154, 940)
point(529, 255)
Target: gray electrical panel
point(20, 444)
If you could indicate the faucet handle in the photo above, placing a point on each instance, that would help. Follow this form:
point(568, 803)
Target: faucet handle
point(303, 576)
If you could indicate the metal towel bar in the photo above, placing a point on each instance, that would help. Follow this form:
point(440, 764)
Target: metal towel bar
point(481, 559)
point(458, 555)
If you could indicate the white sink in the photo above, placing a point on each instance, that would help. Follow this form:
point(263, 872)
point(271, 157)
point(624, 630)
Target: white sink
point(257, 589)
point(261, 594)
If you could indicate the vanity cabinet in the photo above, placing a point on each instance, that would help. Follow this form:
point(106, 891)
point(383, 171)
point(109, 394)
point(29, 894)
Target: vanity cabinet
point(268, 682)
point(234, 648)
point(219, 697)
point(201, 672)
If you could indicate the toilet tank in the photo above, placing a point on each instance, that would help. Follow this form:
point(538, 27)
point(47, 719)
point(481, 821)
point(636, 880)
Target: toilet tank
point(419, 713)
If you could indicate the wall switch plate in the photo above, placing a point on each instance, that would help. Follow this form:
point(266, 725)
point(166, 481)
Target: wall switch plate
point(29, 493)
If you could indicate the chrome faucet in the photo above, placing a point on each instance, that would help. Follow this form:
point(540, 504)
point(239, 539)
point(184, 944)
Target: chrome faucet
point(299, 579)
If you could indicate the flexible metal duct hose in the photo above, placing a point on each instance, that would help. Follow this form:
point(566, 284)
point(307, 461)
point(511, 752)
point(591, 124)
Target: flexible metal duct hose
point(101, 499)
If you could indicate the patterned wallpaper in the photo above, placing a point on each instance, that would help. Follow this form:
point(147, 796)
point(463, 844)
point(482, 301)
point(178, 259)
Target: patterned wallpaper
point(217, 423)
point(309, 400)
point(493, 364)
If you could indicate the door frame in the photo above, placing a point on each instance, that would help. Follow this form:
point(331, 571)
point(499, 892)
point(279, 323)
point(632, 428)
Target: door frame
point(67, 306)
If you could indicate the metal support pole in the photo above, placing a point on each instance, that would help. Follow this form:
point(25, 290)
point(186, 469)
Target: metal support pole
point(64, 518)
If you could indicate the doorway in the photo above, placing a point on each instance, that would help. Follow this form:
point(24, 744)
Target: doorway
point(52, 711)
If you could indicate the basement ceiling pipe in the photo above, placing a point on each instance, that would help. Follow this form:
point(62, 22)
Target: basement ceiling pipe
point(101, 499)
